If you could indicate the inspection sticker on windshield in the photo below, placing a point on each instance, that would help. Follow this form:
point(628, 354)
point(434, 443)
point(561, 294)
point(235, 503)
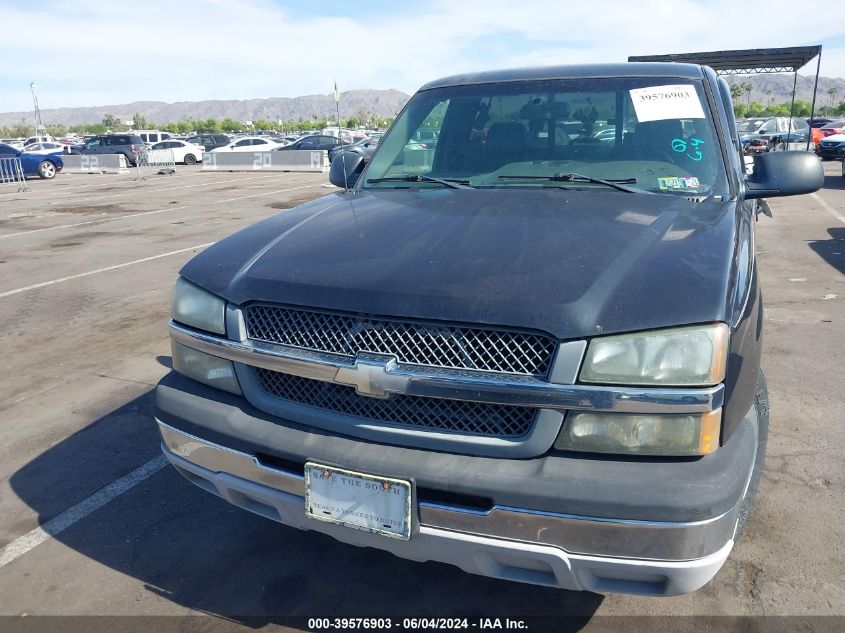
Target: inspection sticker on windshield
point(657, 103)
point(688, 182)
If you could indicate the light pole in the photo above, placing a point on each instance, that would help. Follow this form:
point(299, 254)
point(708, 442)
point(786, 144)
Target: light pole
point(39, 125)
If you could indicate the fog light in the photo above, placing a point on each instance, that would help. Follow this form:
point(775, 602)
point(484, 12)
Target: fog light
point(670, 435)
point(205, 368)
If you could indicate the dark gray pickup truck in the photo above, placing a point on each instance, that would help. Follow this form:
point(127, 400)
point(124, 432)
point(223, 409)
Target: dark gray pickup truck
point(532, 351)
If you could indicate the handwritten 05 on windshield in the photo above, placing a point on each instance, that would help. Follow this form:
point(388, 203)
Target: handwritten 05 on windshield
point(658, 103)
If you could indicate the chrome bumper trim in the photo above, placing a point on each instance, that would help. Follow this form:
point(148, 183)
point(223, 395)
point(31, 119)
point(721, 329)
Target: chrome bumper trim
point(648, 540)
point(473, 386)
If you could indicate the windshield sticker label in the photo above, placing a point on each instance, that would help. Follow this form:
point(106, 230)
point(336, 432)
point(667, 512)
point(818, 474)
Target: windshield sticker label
point(690, 147)
point(658, 103)
point(685, 182)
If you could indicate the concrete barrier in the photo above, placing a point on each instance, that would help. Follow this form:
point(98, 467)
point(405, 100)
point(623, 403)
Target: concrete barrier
point(94, 164)
point(289, 160)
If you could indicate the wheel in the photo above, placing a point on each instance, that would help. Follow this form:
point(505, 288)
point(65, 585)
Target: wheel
point(761, 402)
point(47, 169)
point(190, 159)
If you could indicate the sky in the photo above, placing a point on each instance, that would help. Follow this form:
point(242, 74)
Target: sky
point(93, 52)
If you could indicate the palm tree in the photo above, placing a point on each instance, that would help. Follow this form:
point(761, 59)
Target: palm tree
point(832, 92)
point(748, 88)
point(736, 91)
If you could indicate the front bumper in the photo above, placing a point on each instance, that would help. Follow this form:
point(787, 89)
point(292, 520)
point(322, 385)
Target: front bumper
point(834, 153)
point(655, 528)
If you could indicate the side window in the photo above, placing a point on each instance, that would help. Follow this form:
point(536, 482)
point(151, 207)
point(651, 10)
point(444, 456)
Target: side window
point(769, 127)
point(259, 141)
point(308, 143)
point(243, 143)
point(416, 157)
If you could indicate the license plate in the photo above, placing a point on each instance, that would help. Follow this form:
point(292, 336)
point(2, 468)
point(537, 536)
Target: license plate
point(357, 500)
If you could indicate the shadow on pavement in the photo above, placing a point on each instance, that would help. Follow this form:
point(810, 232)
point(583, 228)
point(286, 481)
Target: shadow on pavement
point(832, 250)
point(204, 554)
point(833, 182)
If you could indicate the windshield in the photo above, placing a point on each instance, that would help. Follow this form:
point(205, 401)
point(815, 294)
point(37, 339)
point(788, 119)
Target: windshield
point(653, 133)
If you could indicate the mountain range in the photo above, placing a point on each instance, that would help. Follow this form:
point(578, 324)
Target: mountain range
point(774, 88)
point(381, 103)
point(781, 87)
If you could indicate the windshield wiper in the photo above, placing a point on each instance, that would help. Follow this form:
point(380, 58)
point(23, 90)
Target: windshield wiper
point(616, 183)
point(446, 182)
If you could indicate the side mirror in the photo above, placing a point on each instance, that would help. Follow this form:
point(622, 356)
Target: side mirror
point(345, 169)
point(784, 174)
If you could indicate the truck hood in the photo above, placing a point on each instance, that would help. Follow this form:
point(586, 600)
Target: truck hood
point(573, 263)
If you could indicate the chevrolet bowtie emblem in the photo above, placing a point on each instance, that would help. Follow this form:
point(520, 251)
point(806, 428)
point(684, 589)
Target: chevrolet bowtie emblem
point(371, 376)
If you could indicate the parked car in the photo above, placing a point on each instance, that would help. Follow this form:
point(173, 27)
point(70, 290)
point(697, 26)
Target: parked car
point(818, 122)
point(316, 142)
point(365, 147)
point(427, 138)
point(183, 152)
point(778, 130)
point(534, 359)
point(834, 127)
point(45, 148)
point(831, 147)
point(209, 141)
point(249, 144)
point(34, 164)
point(127, 144)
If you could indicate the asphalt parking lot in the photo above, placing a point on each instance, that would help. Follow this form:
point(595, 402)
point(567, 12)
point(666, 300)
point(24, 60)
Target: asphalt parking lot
point(87, 266)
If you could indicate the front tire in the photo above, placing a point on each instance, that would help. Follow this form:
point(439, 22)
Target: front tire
point(190, 159)
point(761, 403)
point(47, 169)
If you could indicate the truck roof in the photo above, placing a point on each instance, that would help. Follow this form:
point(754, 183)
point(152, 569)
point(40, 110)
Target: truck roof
point(635, 69)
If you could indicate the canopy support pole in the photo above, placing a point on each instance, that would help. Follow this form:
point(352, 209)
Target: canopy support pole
point(792, 108)
point(815, 89)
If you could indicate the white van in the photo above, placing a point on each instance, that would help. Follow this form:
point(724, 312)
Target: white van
point(38, 139)
point(342, 133)
point(152, 136)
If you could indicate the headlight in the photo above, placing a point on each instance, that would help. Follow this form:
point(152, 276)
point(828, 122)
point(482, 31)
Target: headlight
point(687, 356)
point(669, 435)
point(205, 368)
point(198, 308)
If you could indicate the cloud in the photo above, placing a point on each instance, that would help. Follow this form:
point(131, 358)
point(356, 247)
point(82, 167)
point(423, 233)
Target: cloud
point(94, 53)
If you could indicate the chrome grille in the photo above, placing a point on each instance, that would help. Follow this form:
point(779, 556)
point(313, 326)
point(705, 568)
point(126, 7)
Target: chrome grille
point(476, 418)
point(412, 343)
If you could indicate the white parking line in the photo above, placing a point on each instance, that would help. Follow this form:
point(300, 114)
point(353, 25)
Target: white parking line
point(9, 293)
point(142, 190)
point(142, 213)
point(66, 519)
point(58, 189)
point(828, 208)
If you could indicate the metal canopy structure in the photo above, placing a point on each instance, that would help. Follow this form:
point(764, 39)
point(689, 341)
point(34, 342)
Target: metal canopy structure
point(751, 61)
point(744, 62)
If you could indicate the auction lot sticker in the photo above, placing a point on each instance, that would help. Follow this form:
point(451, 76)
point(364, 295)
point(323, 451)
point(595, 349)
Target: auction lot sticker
point(657, 103)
